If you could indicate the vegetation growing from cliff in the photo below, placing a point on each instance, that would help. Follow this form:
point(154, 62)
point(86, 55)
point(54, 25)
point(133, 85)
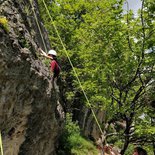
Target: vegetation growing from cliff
point(114, 55)
point(4, 23)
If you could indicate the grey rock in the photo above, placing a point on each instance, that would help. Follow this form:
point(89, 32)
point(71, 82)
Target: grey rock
point(28, 103)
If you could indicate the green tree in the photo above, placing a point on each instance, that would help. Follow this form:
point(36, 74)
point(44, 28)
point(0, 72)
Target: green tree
point(113, 54)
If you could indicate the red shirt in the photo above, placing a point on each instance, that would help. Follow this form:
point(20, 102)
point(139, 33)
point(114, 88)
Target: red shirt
point(55, 68)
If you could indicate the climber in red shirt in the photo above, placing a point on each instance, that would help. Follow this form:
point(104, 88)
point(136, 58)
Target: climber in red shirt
point(54, 66)
point(54, 63)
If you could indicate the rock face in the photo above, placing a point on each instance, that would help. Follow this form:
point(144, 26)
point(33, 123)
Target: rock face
point(87, 121)
point(29, 118)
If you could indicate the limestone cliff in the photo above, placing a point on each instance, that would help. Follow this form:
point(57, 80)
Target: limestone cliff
point(29, 117)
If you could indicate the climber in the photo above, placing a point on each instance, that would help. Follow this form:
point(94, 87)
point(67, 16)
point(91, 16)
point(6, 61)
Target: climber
point(54, 65)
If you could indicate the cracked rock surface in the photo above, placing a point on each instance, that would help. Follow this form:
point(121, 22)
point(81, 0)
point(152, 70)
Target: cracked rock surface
point(29, 120)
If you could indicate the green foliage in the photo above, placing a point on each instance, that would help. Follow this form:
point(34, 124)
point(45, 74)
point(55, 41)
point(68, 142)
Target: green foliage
point(71, 142)
point(130, 150)
point(70, 96)
point(81, 146)
point(113, 54)
point(46, 62)
point(27, 10)
point(4, 23)
point(24, 43)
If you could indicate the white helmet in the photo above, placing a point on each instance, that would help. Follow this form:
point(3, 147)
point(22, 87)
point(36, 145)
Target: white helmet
point(52, 52)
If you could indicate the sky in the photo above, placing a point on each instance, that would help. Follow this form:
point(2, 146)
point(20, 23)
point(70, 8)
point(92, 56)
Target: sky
point(133, 4)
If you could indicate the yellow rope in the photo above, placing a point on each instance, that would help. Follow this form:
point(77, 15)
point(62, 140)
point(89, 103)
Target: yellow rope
point(67, 57)
point(1, 145)
point(73, 67)
point(38, 26)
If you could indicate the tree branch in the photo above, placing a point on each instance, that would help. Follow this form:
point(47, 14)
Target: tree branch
point(143, 30)
point(128, 35)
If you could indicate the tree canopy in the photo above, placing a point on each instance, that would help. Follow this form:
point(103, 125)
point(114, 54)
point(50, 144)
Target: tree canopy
point(113, 53)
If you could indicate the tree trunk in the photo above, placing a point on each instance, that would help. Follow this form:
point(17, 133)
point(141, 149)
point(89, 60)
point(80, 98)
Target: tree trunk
point(125, 145)
point(126, 132)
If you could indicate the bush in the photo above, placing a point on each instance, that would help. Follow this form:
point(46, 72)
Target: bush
point(71, 142)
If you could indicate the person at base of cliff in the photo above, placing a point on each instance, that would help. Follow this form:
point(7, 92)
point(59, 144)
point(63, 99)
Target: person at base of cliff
point(54, 65)
point(139, 151)
point(110, 150)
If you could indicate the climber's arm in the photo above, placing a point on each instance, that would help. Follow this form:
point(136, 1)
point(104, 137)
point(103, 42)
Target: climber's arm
point(44, 54)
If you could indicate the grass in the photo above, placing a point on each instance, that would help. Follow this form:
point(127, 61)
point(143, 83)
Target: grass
point(81, 146)
point(72, 143)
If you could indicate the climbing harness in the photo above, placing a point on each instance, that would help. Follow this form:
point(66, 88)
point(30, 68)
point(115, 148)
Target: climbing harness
point(76, 75)
point(1, 145)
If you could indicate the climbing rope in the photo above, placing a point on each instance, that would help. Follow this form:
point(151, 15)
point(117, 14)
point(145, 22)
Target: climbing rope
point(1, 145)
point(76, 75)
point(88, 102)
point(35, 16)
